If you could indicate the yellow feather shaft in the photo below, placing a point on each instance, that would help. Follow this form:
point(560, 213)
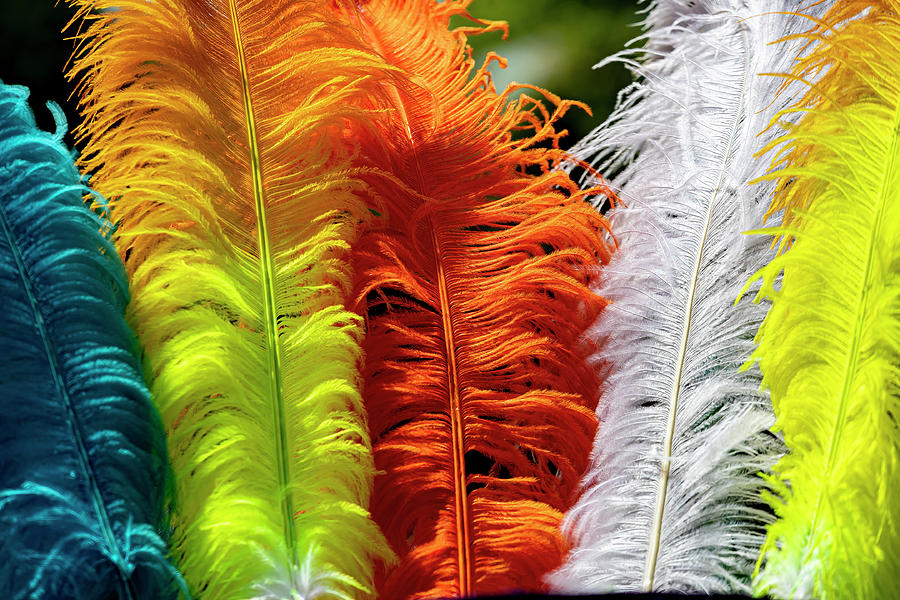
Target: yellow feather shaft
point(273, 348)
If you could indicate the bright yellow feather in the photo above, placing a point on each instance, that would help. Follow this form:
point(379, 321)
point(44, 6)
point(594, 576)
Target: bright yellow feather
point(829, 348)
point(216, 129)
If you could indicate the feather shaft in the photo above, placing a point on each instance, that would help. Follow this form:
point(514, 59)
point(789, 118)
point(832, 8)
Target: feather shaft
point(860, 315)
point(666, 463)
point(665, 467)
point(463, 534)
point(460, 499)
point(267, 278)
point(87, 469)
point(461, 504)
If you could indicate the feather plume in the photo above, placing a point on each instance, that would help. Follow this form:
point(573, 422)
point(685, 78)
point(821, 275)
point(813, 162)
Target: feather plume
point(84, 468)
point(218, 127)
point(671, 499)
point(473, 281)
point(829, 348)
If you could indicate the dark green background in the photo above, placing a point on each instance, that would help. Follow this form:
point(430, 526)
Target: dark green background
point(552, 44)
point(555, 43)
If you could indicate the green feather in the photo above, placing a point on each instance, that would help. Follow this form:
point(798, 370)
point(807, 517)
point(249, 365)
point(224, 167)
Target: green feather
point(829, 349)
point(236, 215)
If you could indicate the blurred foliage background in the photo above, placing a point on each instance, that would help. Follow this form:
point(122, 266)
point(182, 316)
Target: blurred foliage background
point(552, 44)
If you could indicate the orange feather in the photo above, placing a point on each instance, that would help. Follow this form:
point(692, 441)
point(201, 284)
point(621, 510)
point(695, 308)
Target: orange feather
point(473, 279)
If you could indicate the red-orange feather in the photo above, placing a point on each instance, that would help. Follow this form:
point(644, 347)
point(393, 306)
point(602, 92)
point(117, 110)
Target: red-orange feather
point(474, 283)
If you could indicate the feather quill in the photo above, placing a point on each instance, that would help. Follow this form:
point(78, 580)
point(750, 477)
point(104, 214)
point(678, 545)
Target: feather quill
point(473, 281)
point(671, 499)
point(829, 348)
point(83, 472)
point(218, 127)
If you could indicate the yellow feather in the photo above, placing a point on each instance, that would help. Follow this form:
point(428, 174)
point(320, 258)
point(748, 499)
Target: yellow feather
point(215, 127)
point(829, 348)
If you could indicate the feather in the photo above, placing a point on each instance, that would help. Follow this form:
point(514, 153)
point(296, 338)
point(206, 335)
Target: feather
point(84, 468)
point(829, 348)
point(474, 285)
point(671, 498)
point(219, 129)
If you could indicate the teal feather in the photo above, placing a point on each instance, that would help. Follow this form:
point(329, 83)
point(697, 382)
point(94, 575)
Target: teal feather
point(83, 468)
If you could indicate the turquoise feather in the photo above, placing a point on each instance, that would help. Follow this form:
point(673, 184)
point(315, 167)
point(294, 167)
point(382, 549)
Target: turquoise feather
point(83, 469)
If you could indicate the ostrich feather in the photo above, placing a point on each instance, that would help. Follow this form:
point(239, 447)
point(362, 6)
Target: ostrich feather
point(671, 498)
point(829, 348)
point(474, 285)
point(218, 128)
point(83, 472)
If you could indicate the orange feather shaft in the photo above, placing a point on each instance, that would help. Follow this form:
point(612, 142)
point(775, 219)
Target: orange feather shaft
point(474, 283)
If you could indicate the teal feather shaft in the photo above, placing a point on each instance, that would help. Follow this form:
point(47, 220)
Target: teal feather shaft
point(83, 470)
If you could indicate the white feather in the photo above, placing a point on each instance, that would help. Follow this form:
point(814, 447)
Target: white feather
point(683, 141)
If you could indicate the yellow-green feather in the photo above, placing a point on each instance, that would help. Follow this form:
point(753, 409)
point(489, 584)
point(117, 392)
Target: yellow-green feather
point(205, 122)
point(829, 349)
